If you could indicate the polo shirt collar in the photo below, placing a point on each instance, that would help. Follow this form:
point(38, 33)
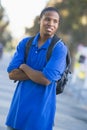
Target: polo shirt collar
point(45, 45)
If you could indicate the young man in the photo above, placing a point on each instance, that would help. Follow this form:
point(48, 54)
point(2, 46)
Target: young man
point(34, 101)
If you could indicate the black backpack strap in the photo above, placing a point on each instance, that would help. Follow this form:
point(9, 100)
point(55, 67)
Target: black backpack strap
point(49, 52)
point(53, 42)
point(27, 48)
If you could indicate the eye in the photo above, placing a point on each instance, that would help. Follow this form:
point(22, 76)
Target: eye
point(47, 19)
point(55, 21)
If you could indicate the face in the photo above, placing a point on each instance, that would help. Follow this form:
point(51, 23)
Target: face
point(49, 23)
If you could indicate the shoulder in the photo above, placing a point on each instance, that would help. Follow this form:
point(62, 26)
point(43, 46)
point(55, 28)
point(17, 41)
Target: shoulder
point(24, 41)
point(60, 46)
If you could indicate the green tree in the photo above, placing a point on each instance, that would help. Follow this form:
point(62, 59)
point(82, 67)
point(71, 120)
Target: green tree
point(5, 35)
point(74, 15)
point(33, 30)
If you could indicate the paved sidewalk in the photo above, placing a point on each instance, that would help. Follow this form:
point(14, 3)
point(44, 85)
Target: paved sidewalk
point(70, 114)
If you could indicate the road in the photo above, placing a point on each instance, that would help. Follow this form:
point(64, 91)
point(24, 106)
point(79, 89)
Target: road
point(70, 113)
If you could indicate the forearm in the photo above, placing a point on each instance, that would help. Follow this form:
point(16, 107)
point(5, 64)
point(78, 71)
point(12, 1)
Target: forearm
point(18, 74)
point(34, 75)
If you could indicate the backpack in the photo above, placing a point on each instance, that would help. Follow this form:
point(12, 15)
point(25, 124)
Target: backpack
point(61, 83)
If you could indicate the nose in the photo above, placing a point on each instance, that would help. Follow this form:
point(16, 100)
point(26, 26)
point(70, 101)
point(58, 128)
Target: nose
point(50, 23)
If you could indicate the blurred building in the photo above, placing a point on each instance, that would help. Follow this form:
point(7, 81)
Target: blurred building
point(80, 65)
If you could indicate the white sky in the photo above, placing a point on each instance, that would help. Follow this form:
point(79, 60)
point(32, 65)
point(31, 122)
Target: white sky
point(21, 13)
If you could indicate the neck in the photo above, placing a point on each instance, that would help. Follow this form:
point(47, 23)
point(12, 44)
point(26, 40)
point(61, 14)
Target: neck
point(43, 38)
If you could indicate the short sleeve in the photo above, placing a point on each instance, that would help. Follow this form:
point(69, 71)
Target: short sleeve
point(57, 63)
point(18, 57)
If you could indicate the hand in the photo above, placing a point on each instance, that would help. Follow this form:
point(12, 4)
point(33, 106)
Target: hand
point(22, 66)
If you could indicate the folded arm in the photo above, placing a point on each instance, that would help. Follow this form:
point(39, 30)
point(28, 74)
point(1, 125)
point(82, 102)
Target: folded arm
point(18, 74)
point(34, 75)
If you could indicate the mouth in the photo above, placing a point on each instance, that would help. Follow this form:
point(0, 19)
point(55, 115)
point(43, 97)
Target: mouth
point(49, 29)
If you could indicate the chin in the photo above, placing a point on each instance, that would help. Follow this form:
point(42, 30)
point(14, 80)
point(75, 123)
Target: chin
point(48, 34)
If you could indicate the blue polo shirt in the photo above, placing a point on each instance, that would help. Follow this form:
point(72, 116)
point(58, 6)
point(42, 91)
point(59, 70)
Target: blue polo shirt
point(33, 105)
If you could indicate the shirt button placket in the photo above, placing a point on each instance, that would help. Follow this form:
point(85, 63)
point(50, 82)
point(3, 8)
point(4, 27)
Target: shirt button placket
point(36, 52)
